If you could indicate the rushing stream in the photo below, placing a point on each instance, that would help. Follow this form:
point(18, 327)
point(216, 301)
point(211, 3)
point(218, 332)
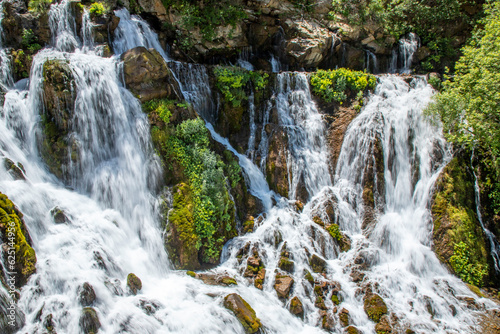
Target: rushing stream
point(114, 229)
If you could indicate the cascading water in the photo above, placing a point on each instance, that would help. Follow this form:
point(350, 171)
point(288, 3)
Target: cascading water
point(371, 62)
point(113, 229)
point(407, 48)
point(132, 31)
point(308, 156)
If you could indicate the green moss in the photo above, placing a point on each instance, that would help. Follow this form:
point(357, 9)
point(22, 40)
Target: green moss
point(15, 235)
point(244, 312)
point(229, 281)
point(334, 232)
point(375, 307)
point(161, 107)
point(39, 6)
point(335, 299)
point(308, 276)
point(191, 273)
point(337, 85)
point(459, 240)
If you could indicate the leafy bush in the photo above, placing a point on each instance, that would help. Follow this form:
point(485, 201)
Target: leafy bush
point(335, 85)
point(161, 107)
point(212, 207)
point(231, 81)
point(468, 105)
point(29, 41)
point(39, 6)
point(334, 231)
point(209, 16)
point(465, 267)
point(97, 9)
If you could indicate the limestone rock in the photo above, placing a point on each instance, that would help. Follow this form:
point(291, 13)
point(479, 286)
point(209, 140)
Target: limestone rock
point(318, 265)
point(147, 75)
point(244, 312)
point(283, 285)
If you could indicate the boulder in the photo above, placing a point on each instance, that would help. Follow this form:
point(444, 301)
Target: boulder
point(374, 306)
point(147, 75)
point(89, 321)
point(87, 294)
point(384, 325)
point(296, 307)
point(244, 312)
point(318, 265)
point(16, 171)
point(59, 216)
point(134, 283)
point(213, 279)
point(344, 317)
point(283, 285)
point(285, 263)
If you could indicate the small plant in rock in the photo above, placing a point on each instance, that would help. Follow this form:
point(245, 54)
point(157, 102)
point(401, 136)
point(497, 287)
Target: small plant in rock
point(39, 6)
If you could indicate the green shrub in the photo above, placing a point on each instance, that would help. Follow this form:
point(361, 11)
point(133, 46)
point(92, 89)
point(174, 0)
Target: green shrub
point(336, 85)
point(212, 207)
point(465, 267)
point(29, 41)
point(231, 81)
point(334, 231)
point(97, 9)
point(39, 6)
point(161, 107)
point(209, 16)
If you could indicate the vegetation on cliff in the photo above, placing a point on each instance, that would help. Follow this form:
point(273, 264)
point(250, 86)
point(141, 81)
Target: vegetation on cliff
point(337, 85)
point(468, 105)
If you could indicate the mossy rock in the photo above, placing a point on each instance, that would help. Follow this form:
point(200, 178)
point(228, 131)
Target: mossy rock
point(15, 234)
point(134, 283)
point(181, 238)
point(374, 307)
point(352, 330)
point(89, 321)
point(344, 317)
point(296, 307)
point(244, 312)
point(458, 238)
point(16, 171)
point(318, 265)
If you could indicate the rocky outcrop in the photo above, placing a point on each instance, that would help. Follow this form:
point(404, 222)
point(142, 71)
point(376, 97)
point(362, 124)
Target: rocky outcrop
point(147, 75)
point(244, 312)
point(87, 295)
point(16, 237)
point(57, 149)
point(277, 175)
point(458, 239)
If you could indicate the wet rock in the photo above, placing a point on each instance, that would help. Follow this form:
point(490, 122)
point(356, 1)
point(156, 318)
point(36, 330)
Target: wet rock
point(244, 312)
point(285, 263)
point(344, 317)
point(296, 307)
point(87, 295)
point(352, 330)
point(11, 220)
point(149, 306)
point(384, 326)
point(147, 76)
point(327, 321)
point(276, 165)
point(283, 285)
point(89, 321)
point(57, 149)
point(374, 306)
point(14, 170)
point(48, 323)
point(59, 216)
point(259, 279)
point(318, 265)
point(6, 316)
point(213, 279)
point(134, 283)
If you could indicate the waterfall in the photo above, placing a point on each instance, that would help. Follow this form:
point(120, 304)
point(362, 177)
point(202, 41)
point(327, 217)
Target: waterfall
point(371, 62)
point(407, 48)
point(494, 244)
point(5, 70)
point(308, 159)
point(112, 226)
point(132, 31)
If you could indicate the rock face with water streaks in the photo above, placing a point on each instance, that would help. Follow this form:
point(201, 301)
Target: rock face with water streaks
point(58, 150)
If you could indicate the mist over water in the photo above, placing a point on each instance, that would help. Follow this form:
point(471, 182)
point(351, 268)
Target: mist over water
point(114, 219)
